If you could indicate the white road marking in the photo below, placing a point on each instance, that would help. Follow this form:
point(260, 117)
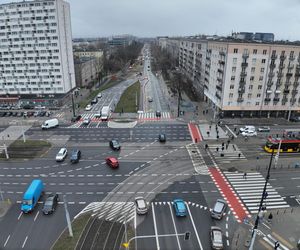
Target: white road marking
point(6, 240)
point(35, 217)
point(196, 232)
point(155, 228)
point(20, 215)
point(24, 242)
point(179, 247)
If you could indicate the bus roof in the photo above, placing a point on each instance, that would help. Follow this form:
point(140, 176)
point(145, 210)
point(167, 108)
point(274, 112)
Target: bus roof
point(284, 140)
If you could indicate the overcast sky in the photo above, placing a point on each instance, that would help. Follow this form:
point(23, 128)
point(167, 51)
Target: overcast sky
point(96, 18)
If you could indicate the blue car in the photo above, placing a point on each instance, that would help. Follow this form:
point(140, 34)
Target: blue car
point(180, 208)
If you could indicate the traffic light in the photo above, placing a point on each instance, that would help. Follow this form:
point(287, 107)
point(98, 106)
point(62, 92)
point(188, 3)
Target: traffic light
point(187, 235)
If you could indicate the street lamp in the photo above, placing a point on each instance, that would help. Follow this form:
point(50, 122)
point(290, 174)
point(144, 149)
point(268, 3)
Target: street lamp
point(263, 196)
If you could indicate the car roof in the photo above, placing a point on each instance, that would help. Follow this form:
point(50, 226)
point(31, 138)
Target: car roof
point(112, 159)
point(62, 149)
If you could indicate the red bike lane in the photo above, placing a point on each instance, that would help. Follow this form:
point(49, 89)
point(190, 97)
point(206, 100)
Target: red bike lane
point(195, 133)
point(237, 207)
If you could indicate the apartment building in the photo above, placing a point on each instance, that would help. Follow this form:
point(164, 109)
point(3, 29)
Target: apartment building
point(36, 57)
point(244, 78)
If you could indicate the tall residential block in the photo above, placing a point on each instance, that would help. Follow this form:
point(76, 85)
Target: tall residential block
point(36, 56)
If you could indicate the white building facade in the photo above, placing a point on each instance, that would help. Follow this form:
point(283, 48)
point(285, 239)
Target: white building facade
point(36, 54)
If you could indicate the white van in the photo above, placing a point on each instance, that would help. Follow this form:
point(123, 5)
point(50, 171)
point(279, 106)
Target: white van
point(50, 124)
point(247, 128)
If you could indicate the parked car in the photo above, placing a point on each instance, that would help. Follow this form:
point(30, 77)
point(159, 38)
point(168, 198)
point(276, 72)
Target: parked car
point(8, 114)
point(180, 207)
point(75, 156)
point(28, 106)
point(88, 107)
point(162, 137)
point(216, 238)
point(249, 133)
point(50, 204)
point(61, 155)
point(2, 114)
point(150, 99)
point(295, 118)
point(94, 101)
point(30, 113)
point(14, 113)
point(140, 205)
point(158, 114)
point(20, 114)
point(219, 209)
point(76, 118)
point(247, 128)
point(264, 129)
point(43, 113)
point(86, 121)
point(112, 162)
point(114, 144)
point(99, 95)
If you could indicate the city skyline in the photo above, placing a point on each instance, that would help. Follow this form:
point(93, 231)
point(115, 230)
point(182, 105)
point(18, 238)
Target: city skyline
point(183, 18)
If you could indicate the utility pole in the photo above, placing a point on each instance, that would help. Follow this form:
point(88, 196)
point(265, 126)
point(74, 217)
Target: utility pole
point(73, 104)
point(24, 138)
point(263, 196)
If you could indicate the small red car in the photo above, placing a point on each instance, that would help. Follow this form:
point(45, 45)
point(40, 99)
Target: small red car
point(112, 162)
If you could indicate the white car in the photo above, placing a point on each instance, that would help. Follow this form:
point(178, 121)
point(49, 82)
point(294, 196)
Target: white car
point(99, 95)
point(86, 121)
point(249, 133)
point(62, 154)
point(247, 128)
point(88, 107)
point(141, 205)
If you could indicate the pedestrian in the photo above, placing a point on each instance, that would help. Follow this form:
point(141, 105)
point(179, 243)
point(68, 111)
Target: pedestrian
point(228, 141)
point(196, 140)
point(222, 148)
point(217, 148)
point(234, 129)
point(206, 146)
point(203, 112)
point(209, 127)
point(245, 176)
point(218, 137)
point(222, 144)
point(246, 138)
point(270, 217)
point(226, 146)
point(207, 133)
point(206, 111)
point(277, 244)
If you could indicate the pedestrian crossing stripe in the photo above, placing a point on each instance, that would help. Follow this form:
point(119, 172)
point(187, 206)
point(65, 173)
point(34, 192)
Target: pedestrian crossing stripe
point(152, 116)
point(228, 156)
point(250, 189)
point(197, 159)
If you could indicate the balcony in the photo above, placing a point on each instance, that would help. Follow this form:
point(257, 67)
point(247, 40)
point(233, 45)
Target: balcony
point(273, 56)
point(241, 90)
point(281, 66)
point(218, 96)
point(271, 74)
point(272, 65)
point(243, 74)
point(267, 99)
point(290, 67)
point(297, 73)
point(220, 71)
point(244, 64)
point(222, 62)
point(292, 58)
point(245, 56)
point(286, 91)
point(242, 83)
point(289, 74)
point(276, 99)
point(294, 92)
point(293, 100)
point(206, 72)
point(219, 87)
point(282, 57)
point(296, 84)
point(279, 75)
point(240, 99)
point(219, 79)
point(221, 53)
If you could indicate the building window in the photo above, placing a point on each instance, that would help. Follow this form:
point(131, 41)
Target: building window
point(232, 86)
point(251, 78)
point(249, 96)
point(250, 86)
point(234, 60)
point(252, 69)
point(230, 95)
point(255, 51)
point(258, 95)
point(273, 52)
point(257, 104)
point(232, 78)
point(233, 69)
point(261, 78)
point(264, 52)
point(263, 61)
point(262, 70)
point(259, 87)
point(235, 51)
point(253, 61)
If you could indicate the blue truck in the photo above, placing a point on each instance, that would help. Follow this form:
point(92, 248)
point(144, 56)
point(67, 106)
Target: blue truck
point(32, 195)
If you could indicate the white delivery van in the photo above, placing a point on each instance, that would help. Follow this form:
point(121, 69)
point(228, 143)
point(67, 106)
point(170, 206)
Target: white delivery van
point(105, 112)
point(52, 123)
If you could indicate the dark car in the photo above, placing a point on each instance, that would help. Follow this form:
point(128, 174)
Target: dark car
point(75, 156)
point(50, 204)
point(14, 113)
point(295, 118)
point(158, 114)
point(2, 114)
point(115, 145)
point(76, 118)
point(94, 101)
point(162, 137)
point(28, 106)
point(43, 113)
point(8, 114)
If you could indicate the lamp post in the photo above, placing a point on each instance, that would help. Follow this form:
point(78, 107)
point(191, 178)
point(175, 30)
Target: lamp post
point(263, 196)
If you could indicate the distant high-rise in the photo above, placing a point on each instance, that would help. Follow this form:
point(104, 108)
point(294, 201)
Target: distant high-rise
point(36, 48)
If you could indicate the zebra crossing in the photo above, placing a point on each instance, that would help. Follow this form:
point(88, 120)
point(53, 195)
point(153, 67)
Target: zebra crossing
point(250, 189)
point(95, 117)
point(59, 115)
point(232, 153)
point(151, 116)
point(111, 211)
point(197, 159)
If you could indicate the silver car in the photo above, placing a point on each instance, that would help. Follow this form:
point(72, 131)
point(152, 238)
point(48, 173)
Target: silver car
point(141, 205)
point(219, 209)
point(216, 238)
